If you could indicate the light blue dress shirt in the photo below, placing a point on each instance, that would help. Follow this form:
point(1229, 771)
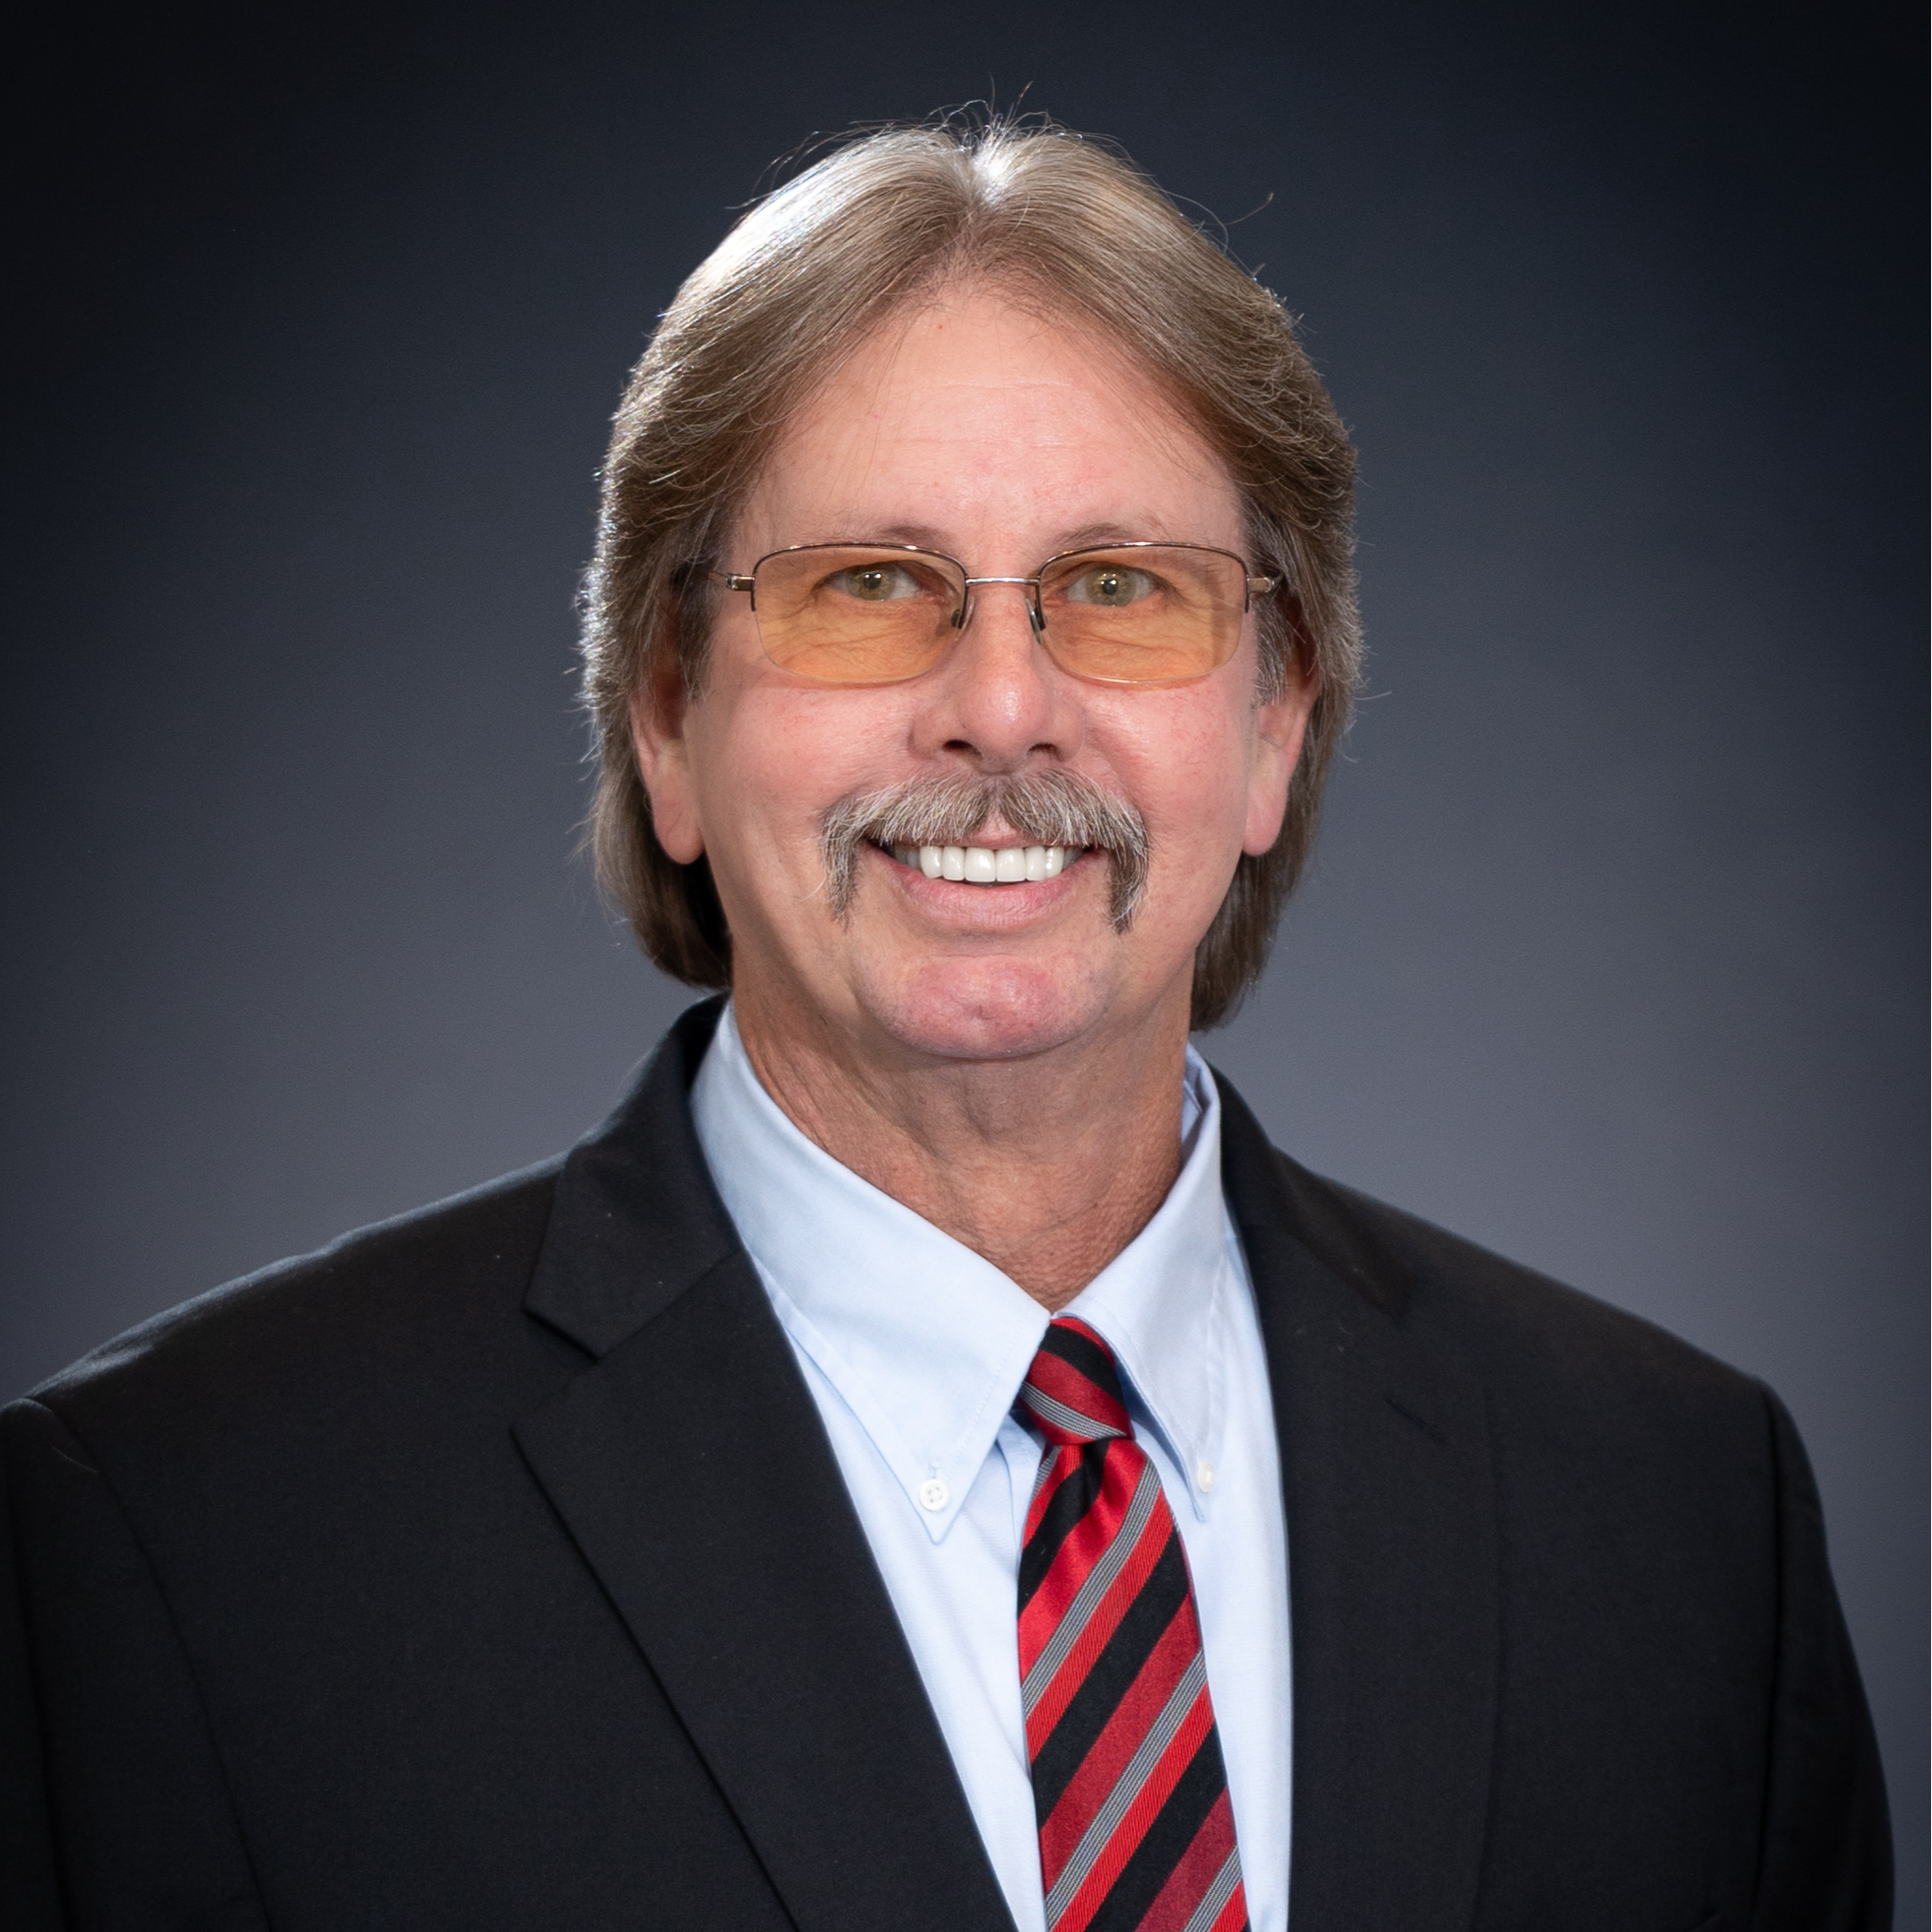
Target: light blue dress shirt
point(913, 1348)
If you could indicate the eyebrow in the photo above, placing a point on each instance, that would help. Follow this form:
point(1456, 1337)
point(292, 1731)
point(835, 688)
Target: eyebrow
point(1089, 534)
point(922, 536)
point(1086, 536)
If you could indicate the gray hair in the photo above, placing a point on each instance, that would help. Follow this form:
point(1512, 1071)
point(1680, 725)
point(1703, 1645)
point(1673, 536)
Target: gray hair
point(811, 270)
point(1051, 807)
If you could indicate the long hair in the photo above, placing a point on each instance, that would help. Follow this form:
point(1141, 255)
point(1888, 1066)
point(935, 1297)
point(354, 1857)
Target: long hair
point(796, 287)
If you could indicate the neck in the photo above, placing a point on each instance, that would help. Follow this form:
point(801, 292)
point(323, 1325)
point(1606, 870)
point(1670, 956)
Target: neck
point(1047, 1165)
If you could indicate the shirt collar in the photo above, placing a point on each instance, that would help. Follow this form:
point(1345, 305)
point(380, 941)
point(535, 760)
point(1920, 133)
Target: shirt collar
point(1160, 1302)
point(926, 1341)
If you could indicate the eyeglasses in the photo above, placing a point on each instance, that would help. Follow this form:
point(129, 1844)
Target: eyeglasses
point(880, 613)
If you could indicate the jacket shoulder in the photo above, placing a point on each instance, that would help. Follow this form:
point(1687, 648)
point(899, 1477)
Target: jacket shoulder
point(1551, 1347)
point(429, 1291)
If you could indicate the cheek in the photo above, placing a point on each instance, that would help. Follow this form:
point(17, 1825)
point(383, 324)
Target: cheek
point(1188, 772)
point(767, 761)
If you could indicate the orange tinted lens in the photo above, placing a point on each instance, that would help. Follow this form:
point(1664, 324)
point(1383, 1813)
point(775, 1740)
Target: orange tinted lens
point(1155, 615)
point(843, 615)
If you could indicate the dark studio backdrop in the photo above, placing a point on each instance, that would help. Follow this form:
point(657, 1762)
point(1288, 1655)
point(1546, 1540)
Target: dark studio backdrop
point(1613, 954)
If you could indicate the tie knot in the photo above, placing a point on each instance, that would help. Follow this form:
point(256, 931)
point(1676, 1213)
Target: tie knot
point(1072, 1391)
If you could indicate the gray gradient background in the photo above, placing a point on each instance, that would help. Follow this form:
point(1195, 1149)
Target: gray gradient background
point(1613, 954)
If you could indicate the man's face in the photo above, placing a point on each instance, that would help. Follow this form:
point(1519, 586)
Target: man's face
point(972, 427)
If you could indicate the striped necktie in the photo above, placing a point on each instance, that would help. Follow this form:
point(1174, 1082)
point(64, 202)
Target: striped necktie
point(1136, 1832)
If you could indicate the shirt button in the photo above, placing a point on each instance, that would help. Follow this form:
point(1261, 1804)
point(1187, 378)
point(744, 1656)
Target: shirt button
point(933, 1495)
point(1204, 1474)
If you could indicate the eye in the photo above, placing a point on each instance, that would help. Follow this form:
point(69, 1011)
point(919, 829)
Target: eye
point(1110, 586)
point(879, 582)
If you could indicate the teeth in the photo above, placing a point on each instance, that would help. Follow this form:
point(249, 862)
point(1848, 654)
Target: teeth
point(985, 864)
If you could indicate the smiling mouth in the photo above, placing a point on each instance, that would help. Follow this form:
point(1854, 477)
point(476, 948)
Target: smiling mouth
point(1031, 826)
point(987, 865)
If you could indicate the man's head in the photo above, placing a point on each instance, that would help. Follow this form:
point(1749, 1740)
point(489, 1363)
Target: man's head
point(998, 345)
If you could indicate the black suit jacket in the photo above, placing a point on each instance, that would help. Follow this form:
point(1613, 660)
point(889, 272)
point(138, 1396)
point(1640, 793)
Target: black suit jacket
point(492, 1568)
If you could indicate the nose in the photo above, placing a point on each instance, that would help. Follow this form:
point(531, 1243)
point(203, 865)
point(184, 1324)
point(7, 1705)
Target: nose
point(996, 697)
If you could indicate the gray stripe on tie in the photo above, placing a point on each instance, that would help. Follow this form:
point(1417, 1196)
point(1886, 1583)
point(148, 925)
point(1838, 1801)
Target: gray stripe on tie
point(1048, 1457)
point(1100, 1578)
point(1218, 1894)
point(1061, 1417)
point(1093, 1840)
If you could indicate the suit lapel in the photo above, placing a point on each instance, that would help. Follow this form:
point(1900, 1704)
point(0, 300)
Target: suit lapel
point(1392, 1564)
point(688, 1463)
point(691, 1468)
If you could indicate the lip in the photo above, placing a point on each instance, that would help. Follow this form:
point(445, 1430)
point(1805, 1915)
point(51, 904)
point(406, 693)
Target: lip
point(977, 908)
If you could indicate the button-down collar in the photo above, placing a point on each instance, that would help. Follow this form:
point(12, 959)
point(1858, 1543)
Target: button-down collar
point(926, 1341)
point(1160, 1299)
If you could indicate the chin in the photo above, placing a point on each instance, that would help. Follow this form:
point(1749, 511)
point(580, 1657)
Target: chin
point(987, 1009)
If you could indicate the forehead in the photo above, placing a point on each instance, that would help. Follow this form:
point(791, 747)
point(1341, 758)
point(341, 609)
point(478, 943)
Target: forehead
point(974, 418)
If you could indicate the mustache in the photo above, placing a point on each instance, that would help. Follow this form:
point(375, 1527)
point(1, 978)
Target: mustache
point(1044, 807)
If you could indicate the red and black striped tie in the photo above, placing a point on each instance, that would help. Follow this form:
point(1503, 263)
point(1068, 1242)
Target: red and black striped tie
point(1136, 1832)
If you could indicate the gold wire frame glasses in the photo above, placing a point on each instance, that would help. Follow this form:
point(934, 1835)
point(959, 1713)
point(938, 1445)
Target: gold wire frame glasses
point(881, 613)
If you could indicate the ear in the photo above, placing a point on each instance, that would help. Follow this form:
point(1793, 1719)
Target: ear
point(1280, 724)
point(658, 709)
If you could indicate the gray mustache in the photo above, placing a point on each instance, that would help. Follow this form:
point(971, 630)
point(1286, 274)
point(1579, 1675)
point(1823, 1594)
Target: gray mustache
point(1044, 807)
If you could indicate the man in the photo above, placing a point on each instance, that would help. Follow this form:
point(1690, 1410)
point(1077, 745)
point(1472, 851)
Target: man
point(927, 1461)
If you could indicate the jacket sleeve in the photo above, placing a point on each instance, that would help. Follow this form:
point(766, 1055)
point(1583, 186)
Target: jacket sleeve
point(115, 1813)
point(1826, 1857)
